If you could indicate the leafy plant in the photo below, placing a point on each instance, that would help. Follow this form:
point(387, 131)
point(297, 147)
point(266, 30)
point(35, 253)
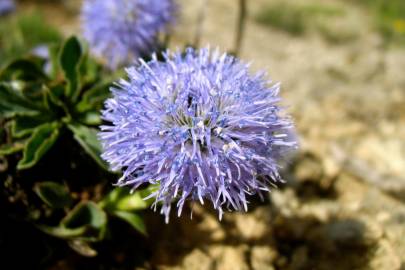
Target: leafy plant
point(87, 221)
point(45, 102)
point(40, 107)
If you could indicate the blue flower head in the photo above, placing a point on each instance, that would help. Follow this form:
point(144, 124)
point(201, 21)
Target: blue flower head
point(199, 125)
point(6, 7)
point(121, 30)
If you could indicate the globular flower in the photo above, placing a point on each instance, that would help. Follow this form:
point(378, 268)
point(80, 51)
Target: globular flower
point(200, 127)
point(121, 30)
point(6, 7)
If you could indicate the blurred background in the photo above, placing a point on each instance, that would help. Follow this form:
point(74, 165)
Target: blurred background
point(341, 64)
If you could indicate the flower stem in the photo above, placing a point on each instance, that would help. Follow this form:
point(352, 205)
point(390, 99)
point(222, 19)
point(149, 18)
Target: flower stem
point(240, 26)
point(200, 23)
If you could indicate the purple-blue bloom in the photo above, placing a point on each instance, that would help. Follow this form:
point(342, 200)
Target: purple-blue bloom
point(6, 7)
point(42, 51)
point(200, 126)
point(121, 30)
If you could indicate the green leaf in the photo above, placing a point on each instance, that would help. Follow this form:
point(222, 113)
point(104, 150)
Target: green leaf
point(25, 125)
point(92, 102)
point(70, 59)
point(54, 100)
point(34, 92)
point(38, 144)
point(90, 216)
point(22, 32)
point(62, 232)
point(85, 213)
point(86, 222)
point(24, 96)
point(133, 219)
point(35, 30)
point(121, 199)
point(82, 247)
point(54, 50)
point(89, 70)
point(91, 118)
point(93, 99)
point(54, 194)
point(8, 149)
point(87, 138)
point(23, 69)
point(12, 102)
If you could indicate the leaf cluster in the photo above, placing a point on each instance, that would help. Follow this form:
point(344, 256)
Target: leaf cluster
point(42, 100)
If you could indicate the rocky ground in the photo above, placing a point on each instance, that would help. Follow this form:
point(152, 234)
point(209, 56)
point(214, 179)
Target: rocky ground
point(343, 206)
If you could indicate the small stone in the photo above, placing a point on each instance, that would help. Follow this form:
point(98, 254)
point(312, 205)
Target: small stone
point(331, 167)
point(383, 216)
point(209, 223)
point(284, 201)
point(263, 257)
point(230, 257)
point(197, 260)
point(346, 232)
point(249, 227)
point(309, 168)
point(385, 257)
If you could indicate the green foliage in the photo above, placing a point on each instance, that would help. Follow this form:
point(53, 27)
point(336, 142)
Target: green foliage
point(283, 17)
point(20, 34)
point(54, 194)
point(70, 59)
point(43, 137)
point(46, 102)
point(87, 222)
point(87, 138)
point(35, 30)
point(133, 219)
point(295, 19)
point(40, 107)
point(121, 199)
point(388, 16)
point(124, 204)
point(8, 149)
point(89, 216)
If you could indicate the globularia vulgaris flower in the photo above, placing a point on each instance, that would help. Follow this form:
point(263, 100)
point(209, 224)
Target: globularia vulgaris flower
point(200, 126)
point(120, 30)
point(6, 7)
